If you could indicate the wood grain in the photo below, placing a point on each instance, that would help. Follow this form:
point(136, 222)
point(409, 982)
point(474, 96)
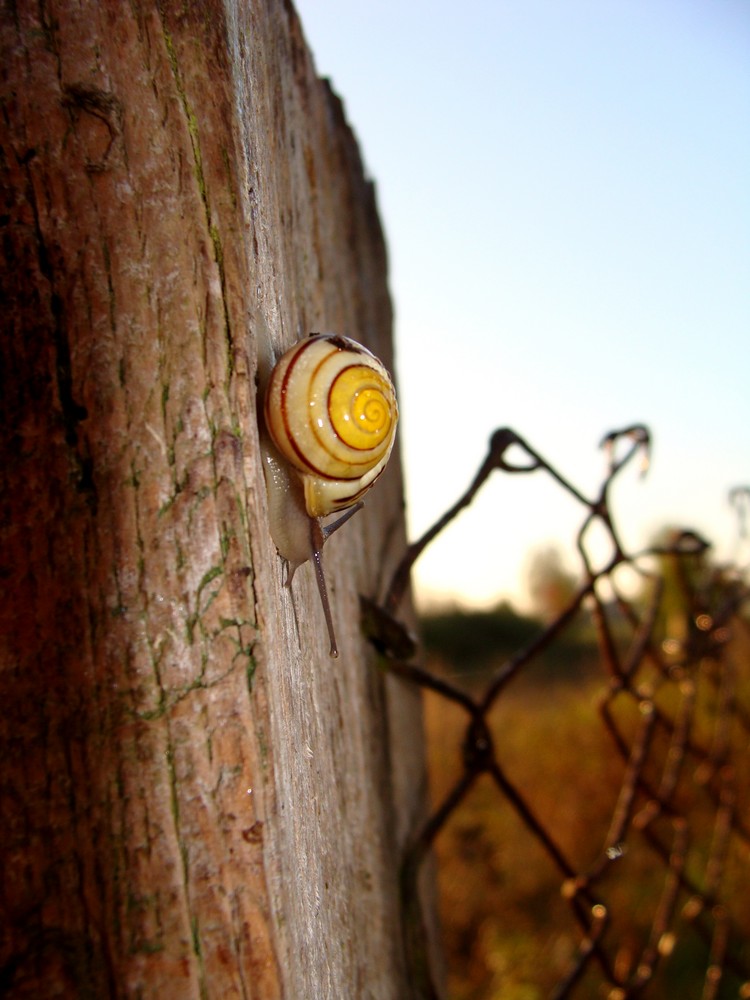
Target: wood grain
point(196, 801)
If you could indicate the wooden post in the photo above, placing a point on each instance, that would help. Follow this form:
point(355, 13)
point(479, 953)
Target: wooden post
point(196, 800)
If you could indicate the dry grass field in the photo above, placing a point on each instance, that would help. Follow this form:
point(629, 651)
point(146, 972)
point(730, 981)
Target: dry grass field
point(509, 931)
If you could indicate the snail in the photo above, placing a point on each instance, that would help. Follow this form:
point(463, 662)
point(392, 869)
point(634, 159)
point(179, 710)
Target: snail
point(331, 413)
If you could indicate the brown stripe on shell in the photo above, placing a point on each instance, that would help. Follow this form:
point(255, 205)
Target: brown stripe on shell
point(346, 444)
point(304, 345)
point(342, 343)
point(339, 344)
point(352, 499)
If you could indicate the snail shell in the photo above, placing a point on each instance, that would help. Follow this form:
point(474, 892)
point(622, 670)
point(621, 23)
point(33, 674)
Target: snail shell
point(331, 413)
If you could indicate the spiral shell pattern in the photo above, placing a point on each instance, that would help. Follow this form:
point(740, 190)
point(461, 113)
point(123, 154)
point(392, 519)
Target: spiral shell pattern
point(331, 410)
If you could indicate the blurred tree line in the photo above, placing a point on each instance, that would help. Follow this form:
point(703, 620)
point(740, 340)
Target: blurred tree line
point(474, 641)
point(690, 587)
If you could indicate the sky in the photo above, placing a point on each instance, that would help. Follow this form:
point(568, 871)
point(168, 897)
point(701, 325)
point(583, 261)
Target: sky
point(565, 192)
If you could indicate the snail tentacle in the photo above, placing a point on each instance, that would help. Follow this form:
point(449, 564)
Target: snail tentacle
point(317, 540)
point(328, 529)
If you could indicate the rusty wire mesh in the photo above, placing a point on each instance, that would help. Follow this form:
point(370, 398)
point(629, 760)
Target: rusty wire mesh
point(675, 705)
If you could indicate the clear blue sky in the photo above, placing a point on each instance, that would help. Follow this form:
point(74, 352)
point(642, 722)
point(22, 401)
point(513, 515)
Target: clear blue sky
point(565, 190)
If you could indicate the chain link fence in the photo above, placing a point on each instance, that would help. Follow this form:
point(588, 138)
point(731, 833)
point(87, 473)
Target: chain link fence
point(655, 890)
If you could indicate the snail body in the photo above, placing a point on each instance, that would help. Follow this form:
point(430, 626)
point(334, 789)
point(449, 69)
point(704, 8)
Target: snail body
point(331, 414)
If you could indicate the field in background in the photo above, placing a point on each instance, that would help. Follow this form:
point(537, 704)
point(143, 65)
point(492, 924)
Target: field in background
point(590, 807)
point(508, 930)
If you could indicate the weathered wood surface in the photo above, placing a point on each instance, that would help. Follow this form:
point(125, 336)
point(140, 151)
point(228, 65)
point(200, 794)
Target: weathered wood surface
point(196, 801)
